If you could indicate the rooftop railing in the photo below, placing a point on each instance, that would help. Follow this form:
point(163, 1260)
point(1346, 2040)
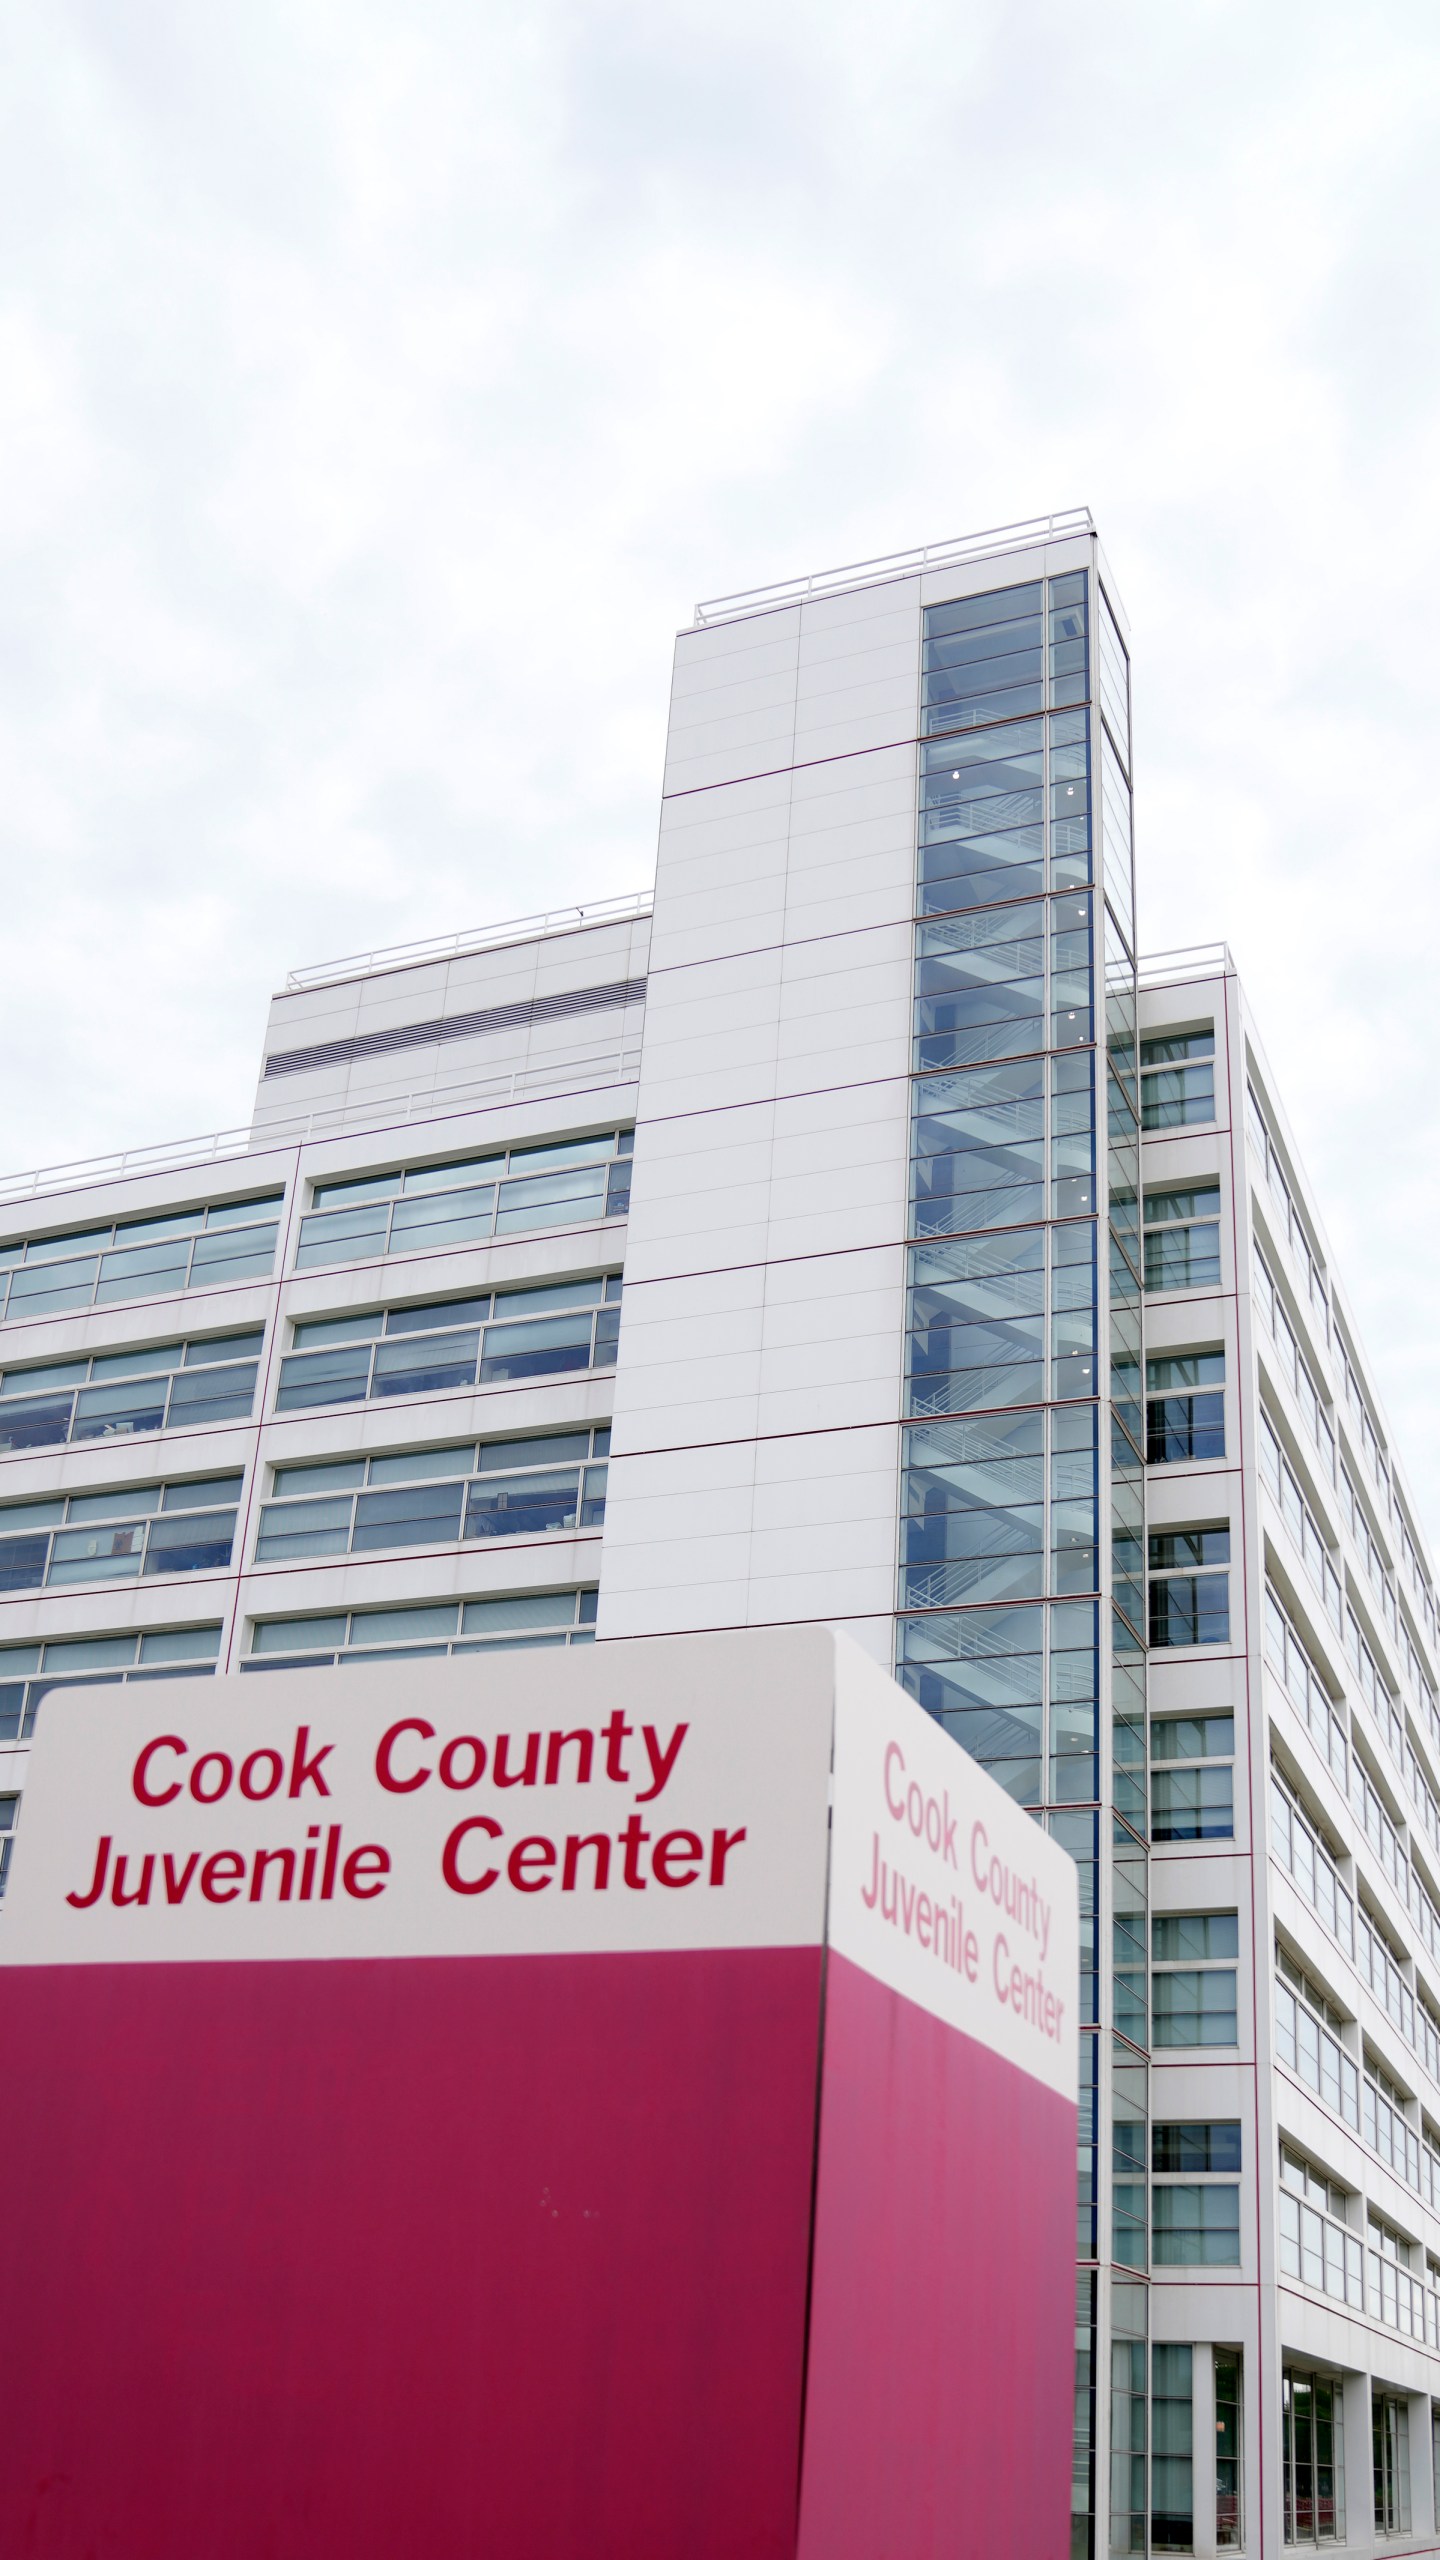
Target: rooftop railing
point(1192, 960)
point(899, 564)
point(486, 937)
point(392, 1107)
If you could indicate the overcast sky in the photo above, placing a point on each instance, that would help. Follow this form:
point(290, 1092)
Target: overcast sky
point(380, 385)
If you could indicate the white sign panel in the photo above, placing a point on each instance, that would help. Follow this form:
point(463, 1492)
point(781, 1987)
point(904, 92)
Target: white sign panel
point(943, 1888)
point(665, 1794)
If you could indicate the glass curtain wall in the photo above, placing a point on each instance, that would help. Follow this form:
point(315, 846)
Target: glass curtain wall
point(1021, 1623)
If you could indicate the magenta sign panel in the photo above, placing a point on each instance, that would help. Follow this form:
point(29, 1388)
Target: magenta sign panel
point(597, 2106)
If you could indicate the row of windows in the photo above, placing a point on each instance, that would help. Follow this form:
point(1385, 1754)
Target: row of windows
point(116, 1537)
point(1323, 1716)
point(1308, 2043)
point(423, 1628)
point(419, 1497)
point(1293, 1229)
point(139, 1258)
point(483, 1340)
point(1283, 1483)
point(1372, 1555)
point(1294, 1367)
point(411, 1209)
point(28, 1671)
point(537, 1618)
point(1288, 1657)
point(429, 1208)
point(434, 1497)
point(112, 1395)
point(490, 1338)
point(1372, 1440)
point(1303, 1854)
point(1319, 2252)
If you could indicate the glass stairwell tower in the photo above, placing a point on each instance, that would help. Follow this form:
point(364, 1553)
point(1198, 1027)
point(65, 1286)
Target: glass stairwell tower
point(883, 1363)
point(1021, 1596)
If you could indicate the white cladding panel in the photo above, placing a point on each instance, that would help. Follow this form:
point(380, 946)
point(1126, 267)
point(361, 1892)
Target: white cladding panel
point(765, 1263)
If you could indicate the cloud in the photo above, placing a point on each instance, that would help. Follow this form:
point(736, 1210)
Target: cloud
point(379, 387)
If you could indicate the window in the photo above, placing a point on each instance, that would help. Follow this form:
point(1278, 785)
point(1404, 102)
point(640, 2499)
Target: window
point(434, 1497)
point(1129, 2398)
point(1307, 2040)
point(140, 1258)
point(116, 1537)
point(1281, 1480)
point(1114, 666)
point(977, 1323)
point(1316, 2246)
point(1403, 2301)
point(1312, 2443)
point(170, 1386)
point(1294, 1366)
point(1192, 1794)
point(430, 1206)
point(532, 1620)
point(1182, 1238)
point(979, 1148)
point(1390, 2436)
point(1287, 1657)
point(1071, 970)
point(1172, 2448)
point(1185, 1407)
point(1384, 2124)
point(1196, 2150)
point(1384, 1707)
point(1189, 1590)
point(983, 658)
point(982, 818)
point(1292, 1225)
point(29, 1671)
point(1177, 1080)
point(1193, 1980)
point(1119, 834)
point(1378, 1964)
point(9, 1814)
point(979, 982)
point(1227, 2450)
point(981, 1674)
point(406, 1351)
point(1196, 2226)
point(1298, 1846)
point(973, 1511)
point(1069, 632)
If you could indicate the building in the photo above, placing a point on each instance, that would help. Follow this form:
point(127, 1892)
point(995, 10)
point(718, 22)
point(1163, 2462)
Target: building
point(881, 1069)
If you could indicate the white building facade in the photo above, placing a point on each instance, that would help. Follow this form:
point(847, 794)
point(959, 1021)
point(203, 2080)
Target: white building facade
point(775, 1251)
